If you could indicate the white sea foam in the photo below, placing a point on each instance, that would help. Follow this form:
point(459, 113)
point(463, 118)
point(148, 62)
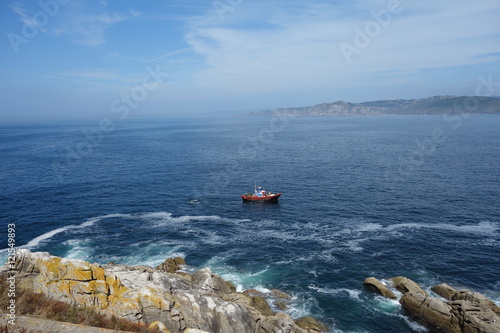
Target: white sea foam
point(183, 218)
point(157, 215)
point(35, 242)
point(368, 227)
point(483, 227)
point(335, 291)
point(79, 249)
point(413, 325)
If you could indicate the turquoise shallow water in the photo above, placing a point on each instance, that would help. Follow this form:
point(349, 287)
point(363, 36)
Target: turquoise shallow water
point(362, 196)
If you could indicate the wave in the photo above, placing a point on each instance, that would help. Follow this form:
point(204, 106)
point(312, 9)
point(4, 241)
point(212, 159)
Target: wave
point(35, 242)
point(46, 236)
point(483, 227)
point(353, 293)
point(168, 217)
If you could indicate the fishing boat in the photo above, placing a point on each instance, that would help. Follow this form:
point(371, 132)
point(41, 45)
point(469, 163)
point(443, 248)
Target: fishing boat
point(260, 195)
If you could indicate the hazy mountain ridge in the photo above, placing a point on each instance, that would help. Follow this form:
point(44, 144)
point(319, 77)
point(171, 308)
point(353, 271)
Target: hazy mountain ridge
point(429, 105)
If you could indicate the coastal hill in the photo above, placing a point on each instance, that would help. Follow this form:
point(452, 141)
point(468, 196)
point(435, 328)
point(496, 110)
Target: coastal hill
point(429, 105)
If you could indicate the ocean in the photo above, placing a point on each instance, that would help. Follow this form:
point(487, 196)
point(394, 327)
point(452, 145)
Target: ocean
point(382, 196)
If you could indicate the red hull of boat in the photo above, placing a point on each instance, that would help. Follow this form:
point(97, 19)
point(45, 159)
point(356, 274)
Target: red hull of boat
point(269, 198)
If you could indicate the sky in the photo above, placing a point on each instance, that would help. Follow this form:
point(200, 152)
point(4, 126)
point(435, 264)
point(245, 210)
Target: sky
point(75, 59)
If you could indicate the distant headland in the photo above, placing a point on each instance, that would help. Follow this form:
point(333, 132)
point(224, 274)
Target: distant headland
point(420, 106)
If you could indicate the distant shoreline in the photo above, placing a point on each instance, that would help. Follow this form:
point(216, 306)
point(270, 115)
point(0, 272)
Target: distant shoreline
point(436, 105)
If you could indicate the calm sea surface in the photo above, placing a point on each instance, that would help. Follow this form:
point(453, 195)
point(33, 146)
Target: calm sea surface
point(417, 196)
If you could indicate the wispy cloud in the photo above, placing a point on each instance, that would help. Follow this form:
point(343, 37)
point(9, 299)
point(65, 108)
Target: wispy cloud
point(82, 22)
point(170, 54)
point(96, 78)
point(89, 29)
point(279, 48)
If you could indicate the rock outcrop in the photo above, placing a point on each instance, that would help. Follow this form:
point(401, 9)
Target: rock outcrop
point(171, 265)
point(184, 303)
point(375, 285)
point(464, 312)
point(405, 285)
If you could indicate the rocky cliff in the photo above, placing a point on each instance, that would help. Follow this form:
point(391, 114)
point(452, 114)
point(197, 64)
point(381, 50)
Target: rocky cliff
point(454, 311)
point(181, 302)
point(429, 105)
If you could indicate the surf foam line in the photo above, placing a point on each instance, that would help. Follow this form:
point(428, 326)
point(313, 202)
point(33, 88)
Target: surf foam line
point(48, 235)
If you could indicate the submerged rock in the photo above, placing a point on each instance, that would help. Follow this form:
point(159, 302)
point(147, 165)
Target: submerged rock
point(311, 325)
point(183, 303)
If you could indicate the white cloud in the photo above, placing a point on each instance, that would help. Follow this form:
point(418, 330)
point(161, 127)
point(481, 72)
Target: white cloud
point(85, 24)
point(272, 49)
point(90, 29)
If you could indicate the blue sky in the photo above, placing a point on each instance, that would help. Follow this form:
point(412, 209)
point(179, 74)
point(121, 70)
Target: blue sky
point(71, 59)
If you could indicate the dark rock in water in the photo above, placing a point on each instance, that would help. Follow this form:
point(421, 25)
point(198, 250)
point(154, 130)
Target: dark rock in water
point(281, 295)
point(311, 325)
point(231, 286)
point(282, 306)
point(405, 285)
point(171, 265)
point(376, 286)
point(254, 292)
point(260, 303)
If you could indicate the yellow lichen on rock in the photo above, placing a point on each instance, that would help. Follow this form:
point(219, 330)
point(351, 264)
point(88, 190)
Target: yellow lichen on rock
point(97, 272)
point(150, 297)
point(50, 268)
point(75, 270)
point(160, 326)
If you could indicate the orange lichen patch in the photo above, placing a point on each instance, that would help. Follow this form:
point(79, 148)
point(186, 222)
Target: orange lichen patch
point(152, 298)
point(50, 268)
point(75, 270)
point(97, 272)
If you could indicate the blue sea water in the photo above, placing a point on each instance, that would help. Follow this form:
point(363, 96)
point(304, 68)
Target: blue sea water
point(384, 196)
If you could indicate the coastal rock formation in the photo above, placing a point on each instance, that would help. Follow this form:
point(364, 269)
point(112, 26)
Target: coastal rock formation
point(431, 310)
point(171, 265)
point(182, 302)
point(406, 285)
point(311, 325)
point(465, 311)
point(378, 287)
